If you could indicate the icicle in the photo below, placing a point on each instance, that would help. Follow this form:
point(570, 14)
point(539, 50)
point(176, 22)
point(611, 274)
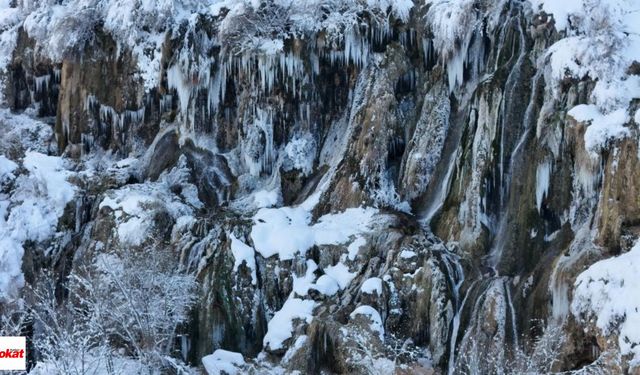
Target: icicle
point(42, 83)
point(90, 102)
point(543, 174)
point(166, 103)
point(455, 69)
point(177, 81)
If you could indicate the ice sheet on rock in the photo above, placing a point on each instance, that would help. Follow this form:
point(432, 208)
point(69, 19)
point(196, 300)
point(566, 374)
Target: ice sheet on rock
point(374, 318)
point(300, 154)
point(543, 176)
point(609, 293)
point(223, 362)
point(407, 254)
point(297, 345)
point(280, 327)
point(243, 253)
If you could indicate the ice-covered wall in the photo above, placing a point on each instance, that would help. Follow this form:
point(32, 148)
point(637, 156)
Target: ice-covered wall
point(471, 157)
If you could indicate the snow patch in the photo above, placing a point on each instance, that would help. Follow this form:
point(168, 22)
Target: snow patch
point(266, 198)
point(603, 129)
point(280, 327)
point(287, 231)
point(340, 273)
point(243, 253)
point(608, 292)
point(354, 247)
point(6, 168)
point(371, 286)
point(223, 362)
point(30, 212)
point(374, 318)
point(327, 285)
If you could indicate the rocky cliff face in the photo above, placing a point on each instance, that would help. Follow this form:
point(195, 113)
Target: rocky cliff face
point(357, 187)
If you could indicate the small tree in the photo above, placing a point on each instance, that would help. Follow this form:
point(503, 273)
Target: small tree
point(133, 302)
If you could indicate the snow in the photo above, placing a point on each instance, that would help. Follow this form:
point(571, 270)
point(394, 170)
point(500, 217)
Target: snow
point(327, 285)
point(354, 247)
point(340, 273)
point(266, 198)
point(280, 327)
point(408, 254)
point(30, 212)
point(223, 362)
point(21, 133)
point(297, 345)
point(134, 206)
point(374, 318)
point(302, 284)
point(371, 286)
point(300, 153)
point(287, 231)
point(9, 19)
point(243, 253)
point(93, 362)
point(6, 168)
point(132, 231)
point(603, 128)
point(602, 42)
point(43, 195)
point(561, 10)
point(335, 278)
point(608, 292)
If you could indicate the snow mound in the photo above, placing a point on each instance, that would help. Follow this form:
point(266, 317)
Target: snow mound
point(6, 168)
point(608, 294)
point(603, 128)
point(243, 253)
point(374, 318)
point(280, 327)
point(223, 362)
point(287, 231)
point(371, 286)
point(31, 212)
point(134, 207)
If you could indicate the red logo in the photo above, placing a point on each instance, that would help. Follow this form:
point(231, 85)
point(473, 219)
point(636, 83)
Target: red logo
point(12, 353)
